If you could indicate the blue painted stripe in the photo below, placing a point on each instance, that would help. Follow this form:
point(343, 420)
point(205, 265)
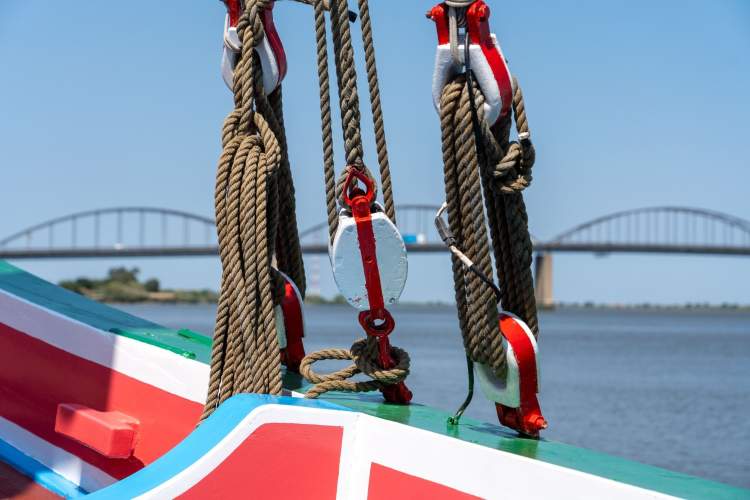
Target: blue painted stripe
point(200, 442)
point(41, 474)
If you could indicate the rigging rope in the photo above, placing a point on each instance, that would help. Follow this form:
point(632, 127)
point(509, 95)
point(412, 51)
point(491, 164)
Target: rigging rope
point(365, 352)
point(483, 167)
point(256, 223)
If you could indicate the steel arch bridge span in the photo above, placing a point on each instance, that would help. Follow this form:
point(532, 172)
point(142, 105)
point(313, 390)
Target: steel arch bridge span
point(110, 228)
point(140, 231)
point(664, 229)
point(656, 230)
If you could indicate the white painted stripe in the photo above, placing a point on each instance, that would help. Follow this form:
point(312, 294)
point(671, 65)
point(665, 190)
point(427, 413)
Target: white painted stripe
point(189, 477)
point(65, 464)
point(152, 365)
point(478, 470)
point(466, 467)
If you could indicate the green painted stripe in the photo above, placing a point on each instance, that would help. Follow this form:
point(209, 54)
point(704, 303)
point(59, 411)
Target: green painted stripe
point(100, 316)
point(197, 346)
point(496, 437)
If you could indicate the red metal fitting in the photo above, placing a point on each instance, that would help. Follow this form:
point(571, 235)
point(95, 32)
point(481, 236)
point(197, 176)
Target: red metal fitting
point(477, 22)
point(367, 320)
point(527, 418)
point(527, 421)
point(352, 191)
point(439, 14)
point(360, 201)
point(270, 50)
point(488, 64)
point(294, 326)
point(234, 9)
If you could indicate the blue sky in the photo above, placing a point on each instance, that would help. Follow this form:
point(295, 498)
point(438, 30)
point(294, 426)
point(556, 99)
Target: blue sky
point(631, 103)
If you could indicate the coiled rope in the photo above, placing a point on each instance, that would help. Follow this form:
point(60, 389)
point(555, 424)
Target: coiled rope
point(485, 174)
point(256, 222)
point(364, 352)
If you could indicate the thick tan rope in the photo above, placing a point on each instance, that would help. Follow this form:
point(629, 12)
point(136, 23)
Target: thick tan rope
point(254, 201)
point(363, 352)
point(377, 110)
point(478, 316)
point(329, 171)
point(508, 171)
point(491, 175)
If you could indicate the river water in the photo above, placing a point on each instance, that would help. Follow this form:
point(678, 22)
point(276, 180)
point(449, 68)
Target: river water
point(668, 388)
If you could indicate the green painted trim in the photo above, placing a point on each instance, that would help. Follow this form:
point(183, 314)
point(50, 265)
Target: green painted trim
point(196, 346)
point(100, 316)
point(153, 338)
point(564, 455)
point(599, 464)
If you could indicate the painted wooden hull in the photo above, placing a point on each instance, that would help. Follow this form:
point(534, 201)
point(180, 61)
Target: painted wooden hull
point(95, 401)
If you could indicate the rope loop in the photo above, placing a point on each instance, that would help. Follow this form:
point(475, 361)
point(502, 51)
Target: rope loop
point(364, 354)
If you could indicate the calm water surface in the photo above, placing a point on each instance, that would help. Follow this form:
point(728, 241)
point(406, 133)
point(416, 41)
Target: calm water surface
point(666, 388)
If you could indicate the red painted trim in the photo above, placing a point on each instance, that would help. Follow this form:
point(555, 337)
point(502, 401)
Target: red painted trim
point(233, 9)
point(35, 377)
point(528, 418)
point(367, 249)
point(360, 204)
point(278, 461)
point(275, 41)
point(477, 17)
point(439, 14)
point(387, 483)
point(291, 306)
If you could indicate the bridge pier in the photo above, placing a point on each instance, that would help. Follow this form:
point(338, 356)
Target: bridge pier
point(543, 280)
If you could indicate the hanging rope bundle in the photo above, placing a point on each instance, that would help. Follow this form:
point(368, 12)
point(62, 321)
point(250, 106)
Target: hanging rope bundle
point(366, 353)
point(256, 223)
point(485, 173)
point(481, 186)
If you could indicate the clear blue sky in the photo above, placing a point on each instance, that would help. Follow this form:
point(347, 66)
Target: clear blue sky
point(631, 103)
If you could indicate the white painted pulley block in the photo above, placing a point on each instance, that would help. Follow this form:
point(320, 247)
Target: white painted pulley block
point(270, 53)
point(346, 260)
point(486, 76)
point(508, 392)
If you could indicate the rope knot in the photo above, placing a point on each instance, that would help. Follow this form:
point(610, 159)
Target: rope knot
point(512, 174)
point(364, 355)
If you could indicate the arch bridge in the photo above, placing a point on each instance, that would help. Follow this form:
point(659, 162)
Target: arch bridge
point(160, 232)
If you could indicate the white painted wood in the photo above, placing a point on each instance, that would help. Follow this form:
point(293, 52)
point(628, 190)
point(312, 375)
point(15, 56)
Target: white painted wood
point(445, 69)
point(152, 365)
point(346, 261)
point(230, 55)
point(467, 467)
point(61, 462)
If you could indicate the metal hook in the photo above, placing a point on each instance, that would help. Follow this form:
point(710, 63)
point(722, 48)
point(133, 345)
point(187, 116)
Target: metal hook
point(459, 413)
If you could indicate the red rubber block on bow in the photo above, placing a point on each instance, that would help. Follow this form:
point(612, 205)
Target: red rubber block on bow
point(110, 433)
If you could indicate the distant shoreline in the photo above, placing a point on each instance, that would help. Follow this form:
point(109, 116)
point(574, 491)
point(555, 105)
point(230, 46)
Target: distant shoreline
point(122, 286)
point(315, 300)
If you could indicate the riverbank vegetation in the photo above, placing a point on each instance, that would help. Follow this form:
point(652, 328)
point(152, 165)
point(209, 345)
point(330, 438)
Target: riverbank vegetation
point(122, 285)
